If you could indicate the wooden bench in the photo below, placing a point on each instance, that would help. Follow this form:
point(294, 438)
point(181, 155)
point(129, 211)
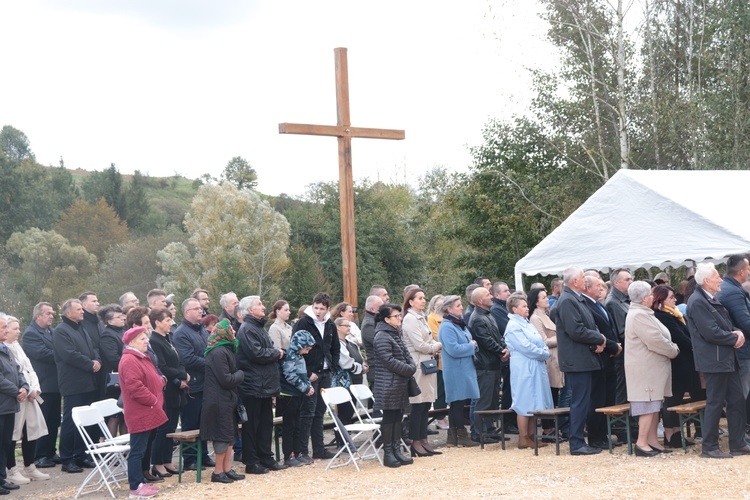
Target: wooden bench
point(189, 440)
point(618, 414)
point(494, 414)
point(435, 414)
point(554, 414)
point(689, 412)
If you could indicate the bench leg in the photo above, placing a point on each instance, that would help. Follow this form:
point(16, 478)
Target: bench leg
point(179, 465)
point(609, 433)
point(199, 447)
point(536, 436)
point(502, 431)
point(481, 431)
point(557, 435)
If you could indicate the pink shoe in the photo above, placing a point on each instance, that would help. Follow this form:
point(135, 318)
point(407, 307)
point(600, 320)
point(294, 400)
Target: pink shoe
point(145, 490)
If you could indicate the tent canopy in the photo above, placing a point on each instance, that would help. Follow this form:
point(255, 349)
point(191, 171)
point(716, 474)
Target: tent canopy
point(649, 218)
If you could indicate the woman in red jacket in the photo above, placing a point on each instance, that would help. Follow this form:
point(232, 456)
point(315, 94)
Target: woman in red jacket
point(143, 404)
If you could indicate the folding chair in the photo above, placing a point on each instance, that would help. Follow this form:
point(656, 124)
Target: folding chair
point(108, 407)
point(109, 459)
point(361, 394)
point(340, 396)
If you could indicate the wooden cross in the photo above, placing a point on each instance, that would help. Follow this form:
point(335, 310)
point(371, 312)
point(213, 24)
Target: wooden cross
point(344, 132)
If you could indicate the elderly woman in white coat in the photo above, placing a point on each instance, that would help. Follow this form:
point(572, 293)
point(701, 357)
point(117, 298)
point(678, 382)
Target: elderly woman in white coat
point(648, 369)
point(29, 425)
point(422, 347)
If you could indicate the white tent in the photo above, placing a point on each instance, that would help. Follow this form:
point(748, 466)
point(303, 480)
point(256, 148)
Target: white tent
point(645, 218)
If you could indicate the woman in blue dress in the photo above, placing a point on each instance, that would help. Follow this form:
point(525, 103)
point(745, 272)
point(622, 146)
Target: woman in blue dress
point(528, 369)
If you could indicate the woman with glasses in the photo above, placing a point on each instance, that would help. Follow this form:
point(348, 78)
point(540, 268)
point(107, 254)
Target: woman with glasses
point(394, 368)
point(459, 373)
point(648, 370)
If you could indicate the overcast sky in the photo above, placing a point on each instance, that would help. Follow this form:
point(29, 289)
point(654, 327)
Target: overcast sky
point(167, 86)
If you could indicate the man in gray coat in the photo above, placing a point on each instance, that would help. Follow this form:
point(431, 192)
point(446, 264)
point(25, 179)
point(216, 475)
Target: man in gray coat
point(715, 344)
point(617, 305)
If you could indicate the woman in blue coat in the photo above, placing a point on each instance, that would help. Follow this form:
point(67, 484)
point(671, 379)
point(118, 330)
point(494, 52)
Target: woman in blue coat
point(459, 374)
point(528, 369)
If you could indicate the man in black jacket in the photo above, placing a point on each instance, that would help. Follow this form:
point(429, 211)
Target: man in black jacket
point(39, 347)
point(322, 361)
point(13, 391)
point(737, 301)
point(604, 386)
point(77, 365)
point(715, 344)
point(259, 360)
point(492, 351)
point(94, 329)
point(500, 294)
point(578, 345)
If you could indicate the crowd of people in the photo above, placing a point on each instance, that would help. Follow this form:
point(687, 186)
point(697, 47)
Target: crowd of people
point(583, 344)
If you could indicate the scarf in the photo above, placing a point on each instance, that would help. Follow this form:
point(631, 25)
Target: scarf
point(221, 334)
point(674, 312)
point(456, 320)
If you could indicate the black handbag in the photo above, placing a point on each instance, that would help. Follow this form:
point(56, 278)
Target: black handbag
point(112, 387)
point(414, 389)
point(241, 412)
point(429, 367)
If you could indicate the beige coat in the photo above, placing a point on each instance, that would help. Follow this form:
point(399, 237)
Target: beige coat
point(648, 350)
point(421, 345)
point(281, 334)
point(547, 329)
point(31, 413)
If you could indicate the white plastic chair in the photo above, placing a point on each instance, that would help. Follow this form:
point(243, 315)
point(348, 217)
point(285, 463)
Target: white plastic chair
point(109, 458)
point(350, 432)
point(362, 394)
point(107, 408)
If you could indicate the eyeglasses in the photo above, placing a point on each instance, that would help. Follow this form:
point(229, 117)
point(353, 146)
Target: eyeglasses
point(395, 315)
point(194, 309)
point(345, 326)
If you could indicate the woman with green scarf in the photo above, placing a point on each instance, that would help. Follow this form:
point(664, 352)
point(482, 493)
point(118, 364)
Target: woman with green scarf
point(219, 412)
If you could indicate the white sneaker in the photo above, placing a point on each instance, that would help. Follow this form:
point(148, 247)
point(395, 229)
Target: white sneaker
point(144, 490)
point(35, 474)
point(15, 476)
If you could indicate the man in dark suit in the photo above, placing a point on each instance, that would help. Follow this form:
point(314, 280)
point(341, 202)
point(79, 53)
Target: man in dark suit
point(715, 344)
point(617, 305)
point(578, 346)
point(77, 365)
point(604, 387)
point(39, 347)
point(499, 311)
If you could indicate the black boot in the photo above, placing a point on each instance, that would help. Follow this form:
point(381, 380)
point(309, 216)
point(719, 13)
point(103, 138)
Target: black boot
point(386, 433)
point(396, 445)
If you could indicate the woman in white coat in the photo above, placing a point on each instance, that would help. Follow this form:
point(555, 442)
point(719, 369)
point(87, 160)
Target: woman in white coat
point(30, 424)
point(422, 347)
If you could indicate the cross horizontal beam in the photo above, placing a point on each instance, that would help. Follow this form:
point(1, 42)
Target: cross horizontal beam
point(341, 131)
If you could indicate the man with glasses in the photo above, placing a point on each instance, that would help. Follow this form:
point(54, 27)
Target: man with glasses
point(38, 346)
point(190, 340)
point(617, 305)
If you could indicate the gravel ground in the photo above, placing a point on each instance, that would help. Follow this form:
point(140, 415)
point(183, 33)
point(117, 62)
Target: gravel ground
point(469, 472)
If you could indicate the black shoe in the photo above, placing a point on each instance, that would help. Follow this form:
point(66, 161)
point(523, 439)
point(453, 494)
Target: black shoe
point(511, 429)
point(585, 450)
point(56, 458)
point(256, 469)
point(86, 463)
point(208, 462)
point(9, 486)
point(488, 439)
point(234, 476)
point(190, 466)
point(44, 463)
point(745, 450)
point(715, 454)
point(326, 455)
point(156, 473)
point(3, 491)
point(150, 478)
point(238, 456)
point(430, 432)
point(71, 468)
point(221, 478)
point(602, 445)
point(274, 466)
point(640, 452)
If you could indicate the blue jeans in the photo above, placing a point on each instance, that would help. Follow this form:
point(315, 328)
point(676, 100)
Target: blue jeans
point(580, 386)
point(138, 445)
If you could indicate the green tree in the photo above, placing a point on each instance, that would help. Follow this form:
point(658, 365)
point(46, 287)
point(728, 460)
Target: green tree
point(136, 202)
point(236, 240)
point(95, 227)
point(47, 267)
point(15, 145)
point(106, 184)
point(239, 172)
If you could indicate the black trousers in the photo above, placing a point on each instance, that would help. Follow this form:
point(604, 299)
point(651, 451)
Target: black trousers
point(489, 396)
point(621, 391)
point(603, 393)
point(257, 432)
point(288, 407)
point(580, 388)
point(311, 416)
point(721, 387)
point(6, 441)
point(163, 447)
point(28, 450)
point(418, 420)
point(46, 446)
point(72, 447)
point(456, 413)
